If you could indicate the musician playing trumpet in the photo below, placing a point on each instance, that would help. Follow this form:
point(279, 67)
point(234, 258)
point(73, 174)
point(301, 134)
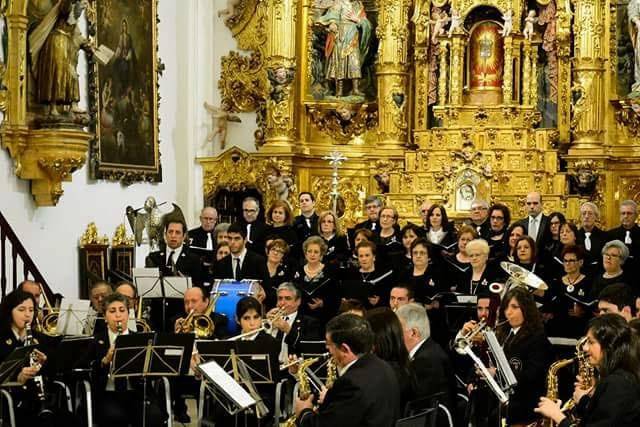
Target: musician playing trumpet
point(196, 303)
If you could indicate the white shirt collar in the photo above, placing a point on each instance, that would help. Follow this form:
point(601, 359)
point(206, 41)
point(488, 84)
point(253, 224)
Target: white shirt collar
point(514, 331)
point(344, 370)
point(176, 254)
point(415, 349)
point(17, 334)
point(241, 256)
point(537, 218)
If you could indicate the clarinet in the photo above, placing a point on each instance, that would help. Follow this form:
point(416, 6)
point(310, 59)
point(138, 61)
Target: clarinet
point(33, 362)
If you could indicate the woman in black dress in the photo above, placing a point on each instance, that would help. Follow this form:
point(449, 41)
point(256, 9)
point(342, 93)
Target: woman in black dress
point(614, 398)
point(337, 247)
point(280, 222)
point(440, 232)
point(459, 264)
point(279, 270)
point(389, 240)
point(367, 282)
point(499, 220)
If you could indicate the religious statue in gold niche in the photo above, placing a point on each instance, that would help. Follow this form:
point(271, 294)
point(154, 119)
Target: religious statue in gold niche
point(486, 57)
point(54, 45)
point(344, 33)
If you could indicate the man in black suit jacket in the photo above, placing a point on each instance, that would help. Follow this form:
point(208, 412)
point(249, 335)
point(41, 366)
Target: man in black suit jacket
point(366, 392)
point(432, 367)
point(241, 263)
point(593, 237)
point(176, 259)
point(203, 236)
point(479, 218)
point(306, 224)
point(255, 229)
point(629, 233)
point(537, 221)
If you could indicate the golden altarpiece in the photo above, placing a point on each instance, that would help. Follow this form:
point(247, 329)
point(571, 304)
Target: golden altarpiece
point(453, 99)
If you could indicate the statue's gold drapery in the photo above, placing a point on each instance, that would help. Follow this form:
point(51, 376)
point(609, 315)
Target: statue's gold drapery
point(456, 99)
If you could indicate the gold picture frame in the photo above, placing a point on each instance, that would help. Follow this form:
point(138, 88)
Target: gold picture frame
point(123, 90)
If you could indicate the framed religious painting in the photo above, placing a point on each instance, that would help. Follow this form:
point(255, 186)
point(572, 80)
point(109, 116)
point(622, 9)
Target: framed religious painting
point(124, 71)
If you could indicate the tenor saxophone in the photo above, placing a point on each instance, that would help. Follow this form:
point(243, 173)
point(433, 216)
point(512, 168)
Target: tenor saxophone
point(586, 373)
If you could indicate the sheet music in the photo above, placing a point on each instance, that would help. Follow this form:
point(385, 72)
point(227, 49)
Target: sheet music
point(72, 318)
point(175, 287)
point(224, 383)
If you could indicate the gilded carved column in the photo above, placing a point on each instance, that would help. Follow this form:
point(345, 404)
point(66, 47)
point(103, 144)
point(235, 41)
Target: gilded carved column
point(563, 38)
point(420, 19)
point(392, 72)
point(444, 72)
point(456, 68)
point(281, 60)
point(507, 82)
point(526, 73)
point(533, 91)
point(587, 121)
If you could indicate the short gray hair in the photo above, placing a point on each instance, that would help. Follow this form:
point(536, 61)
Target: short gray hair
point(480, 202)
point(289, 286)
point(624, 251)
point(479, 244)
point(373, 199)
point(415, 317)
point(593, 207)
point(631, 203)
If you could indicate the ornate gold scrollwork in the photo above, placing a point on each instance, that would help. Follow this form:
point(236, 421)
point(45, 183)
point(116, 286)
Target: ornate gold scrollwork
point(351, 192)
point(242, 81)
point(57, 169)
point(92, 237)
point(120, 237)
point(343, 122)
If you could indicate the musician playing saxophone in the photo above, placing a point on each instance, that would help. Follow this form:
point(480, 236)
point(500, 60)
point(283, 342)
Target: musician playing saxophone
point(614, 400)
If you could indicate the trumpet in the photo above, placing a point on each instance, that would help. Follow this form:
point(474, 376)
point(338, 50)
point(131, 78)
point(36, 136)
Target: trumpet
point(468, 338)
point(199, 324)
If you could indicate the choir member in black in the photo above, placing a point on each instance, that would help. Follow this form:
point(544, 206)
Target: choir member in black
point(614, 399)
point(360, 235)
point(306, 224)
point(614, 255)
point(459, 263)
point(220, 232)
point(388, 345)
point(279, 218)
point(440, 232)
point(372, 205)
point(279, 270)
point(222, 250)
point(330, 230)
point(629, 233)
point(98, 292)
point(479, 218)
point(481, 274)
point(242, 263)
point(367, 282)
point(528, 351)
point(552, 246)
point(571, 307)
point(499, 220)
point(18, 309)
point(317, 281)
point(593, 237)
point(400, 295)
point(119, 401)
point(366, 392)
point(568, 237)
point(204, 236)
point(389, 240)
point(422, 277)
point(409, 234)
point(254, 227)
point(526, 256)
point(514, 232)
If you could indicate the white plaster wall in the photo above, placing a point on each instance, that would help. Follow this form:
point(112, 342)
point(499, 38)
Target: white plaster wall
point(51, 234)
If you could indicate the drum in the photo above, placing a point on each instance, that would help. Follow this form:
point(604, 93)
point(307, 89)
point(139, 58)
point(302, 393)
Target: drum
point(226, 294)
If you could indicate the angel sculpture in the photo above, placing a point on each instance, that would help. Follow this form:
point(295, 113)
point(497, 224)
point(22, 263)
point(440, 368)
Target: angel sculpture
point(230, 11)
point(219, 121)
point(438, 26)
point(508, 23)
point(151, 219)
point(456, 22)
point(529, 21)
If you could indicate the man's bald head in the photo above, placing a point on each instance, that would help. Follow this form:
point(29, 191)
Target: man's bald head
point(195, 299)
point(208, 218)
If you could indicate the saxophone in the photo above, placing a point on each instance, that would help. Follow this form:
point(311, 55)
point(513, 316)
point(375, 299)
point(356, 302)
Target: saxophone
point(304, 389)
point(586, 373)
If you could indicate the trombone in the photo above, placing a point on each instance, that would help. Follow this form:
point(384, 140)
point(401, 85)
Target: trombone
point(49, 323)
point(200, 324)
point(141, 324)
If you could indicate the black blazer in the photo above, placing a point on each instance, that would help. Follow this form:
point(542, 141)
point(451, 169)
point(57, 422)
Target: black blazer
point(593, 261)
point(434, 373)
point(286, 233)
point(253, 266)
point(188, 264)
point(615, 402)
point(304, 328)
point(367, 395)
point(303, 231)
point(632, 264)
point(544, 231)
point(198, 237)
point(255, 240)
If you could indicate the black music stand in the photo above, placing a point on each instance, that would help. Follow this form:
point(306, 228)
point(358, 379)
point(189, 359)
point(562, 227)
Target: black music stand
point(73, 354)
point(12, 364)
point(151, 355)
point(459, 310)
point(152, 285)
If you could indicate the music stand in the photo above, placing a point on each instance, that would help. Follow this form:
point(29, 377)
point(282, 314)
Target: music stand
point(261, 360)
point(72, 317)
point(151, 355)
point(227, 392)
point(150, 284)
point(12, 364)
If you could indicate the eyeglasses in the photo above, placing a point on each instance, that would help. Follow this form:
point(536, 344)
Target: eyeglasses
point(479, 208)
point(497, 218)
point(424, 210)
point(249, 210)
point(569, 261)
point(609, 256)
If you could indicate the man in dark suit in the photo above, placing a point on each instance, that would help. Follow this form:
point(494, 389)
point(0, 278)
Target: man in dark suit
point(293, 326)
point(306, 224)
point(593, 237)
point(372, 205)
point(432, 367)
point(202, 237)
point(254, 228)
point(366, 392)
point(536, 224)
point(629, 233)
point(241, 263)
point(176, 259)
point(479, 218)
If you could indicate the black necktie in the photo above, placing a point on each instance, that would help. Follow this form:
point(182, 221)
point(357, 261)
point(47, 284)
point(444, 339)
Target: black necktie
point(170, 262)
point(237, 269)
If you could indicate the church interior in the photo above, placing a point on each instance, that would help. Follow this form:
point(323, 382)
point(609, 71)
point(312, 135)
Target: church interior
point(107, 103)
